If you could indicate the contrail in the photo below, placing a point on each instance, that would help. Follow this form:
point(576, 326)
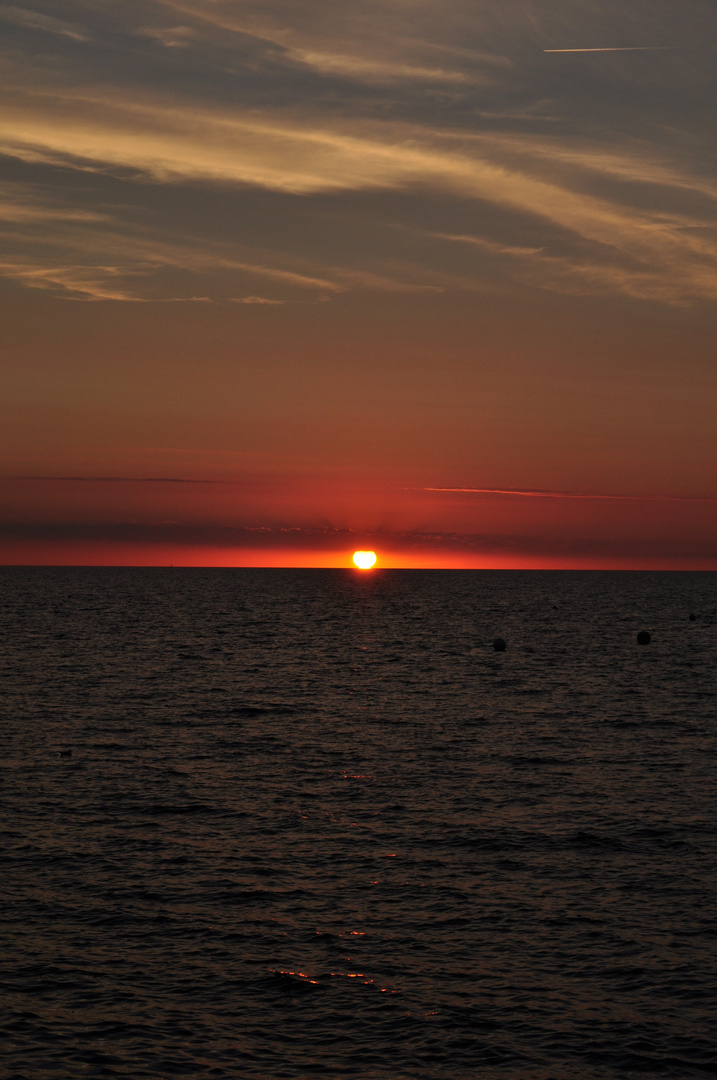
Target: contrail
point(624, 48)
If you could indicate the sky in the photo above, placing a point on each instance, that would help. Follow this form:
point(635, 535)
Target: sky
point(281, 279)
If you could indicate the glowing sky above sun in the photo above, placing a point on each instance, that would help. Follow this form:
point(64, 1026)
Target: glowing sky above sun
point(283, 281)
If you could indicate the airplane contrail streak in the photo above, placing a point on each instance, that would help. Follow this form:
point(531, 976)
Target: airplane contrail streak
point(624, 48)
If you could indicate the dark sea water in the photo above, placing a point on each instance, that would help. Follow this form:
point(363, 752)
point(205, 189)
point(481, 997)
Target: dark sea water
point(275, 823)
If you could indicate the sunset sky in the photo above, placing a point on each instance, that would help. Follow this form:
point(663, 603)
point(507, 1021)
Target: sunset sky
point(281, 279)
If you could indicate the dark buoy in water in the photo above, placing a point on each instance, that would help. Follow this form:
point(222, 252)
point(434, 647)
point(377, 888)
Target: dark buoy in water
point(65, 753)
point(643, 638)
point(693, 617)
point(499, 644)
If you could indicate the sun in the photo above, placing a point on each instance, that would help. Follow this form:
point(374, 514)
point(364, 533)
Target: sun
point(365, 559)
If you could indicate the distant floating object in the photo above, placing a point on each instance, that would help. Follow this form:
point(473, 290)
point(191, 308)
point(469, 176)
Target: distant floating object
point(692, 616)
point(65, 753)
point(499, 644)
point(643, 638)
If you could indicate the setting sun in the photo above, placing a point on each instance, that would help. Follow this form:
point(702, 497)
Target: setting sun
point(365, 559)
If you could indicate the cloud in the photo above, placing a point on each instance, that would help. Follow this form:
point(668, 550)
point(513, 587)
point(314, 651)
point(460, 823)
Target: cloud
point(74, 263)
point(172, 37)
point(79, 282)
point(114, 479)
point(382, 71)
point(366, 280)
point(259, 103)
point(254, 300)
point(289, 153)
point(33, 20)
point(349, 48)
point(76, 268)
point(650, 277)
point(18, 206)
point(537, 494)
point(638, 163)
point(641, 251)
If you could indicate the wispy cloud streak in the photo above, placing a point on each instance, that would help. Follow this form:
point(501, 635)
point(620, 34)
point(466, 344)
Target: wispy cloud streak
point(114, 479)
point(171, 144)
point(536, 494)
point(448, 102)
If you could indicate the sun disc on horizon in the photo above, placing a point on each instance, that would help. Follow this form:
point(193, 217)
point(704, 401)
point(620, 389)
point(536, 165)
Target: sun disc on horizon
point(365, 559)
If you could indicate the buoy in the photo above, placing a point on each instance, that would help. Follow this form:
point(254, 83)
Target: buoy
point(499, 644)
point(643, 638)
point(692, 616)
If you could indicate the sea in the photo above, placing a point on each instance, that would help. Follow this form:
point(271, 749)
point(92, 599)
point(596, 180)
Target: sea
point(267, 824)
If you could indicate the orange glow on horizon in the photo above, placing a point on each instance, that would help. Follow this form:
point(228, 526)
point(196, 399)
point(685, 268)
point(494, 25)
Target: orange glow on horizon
point(108, 553)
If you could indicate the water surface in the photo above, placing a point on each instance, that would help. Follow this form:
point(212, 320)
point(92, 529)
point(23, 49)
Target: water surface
point(274, 823)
